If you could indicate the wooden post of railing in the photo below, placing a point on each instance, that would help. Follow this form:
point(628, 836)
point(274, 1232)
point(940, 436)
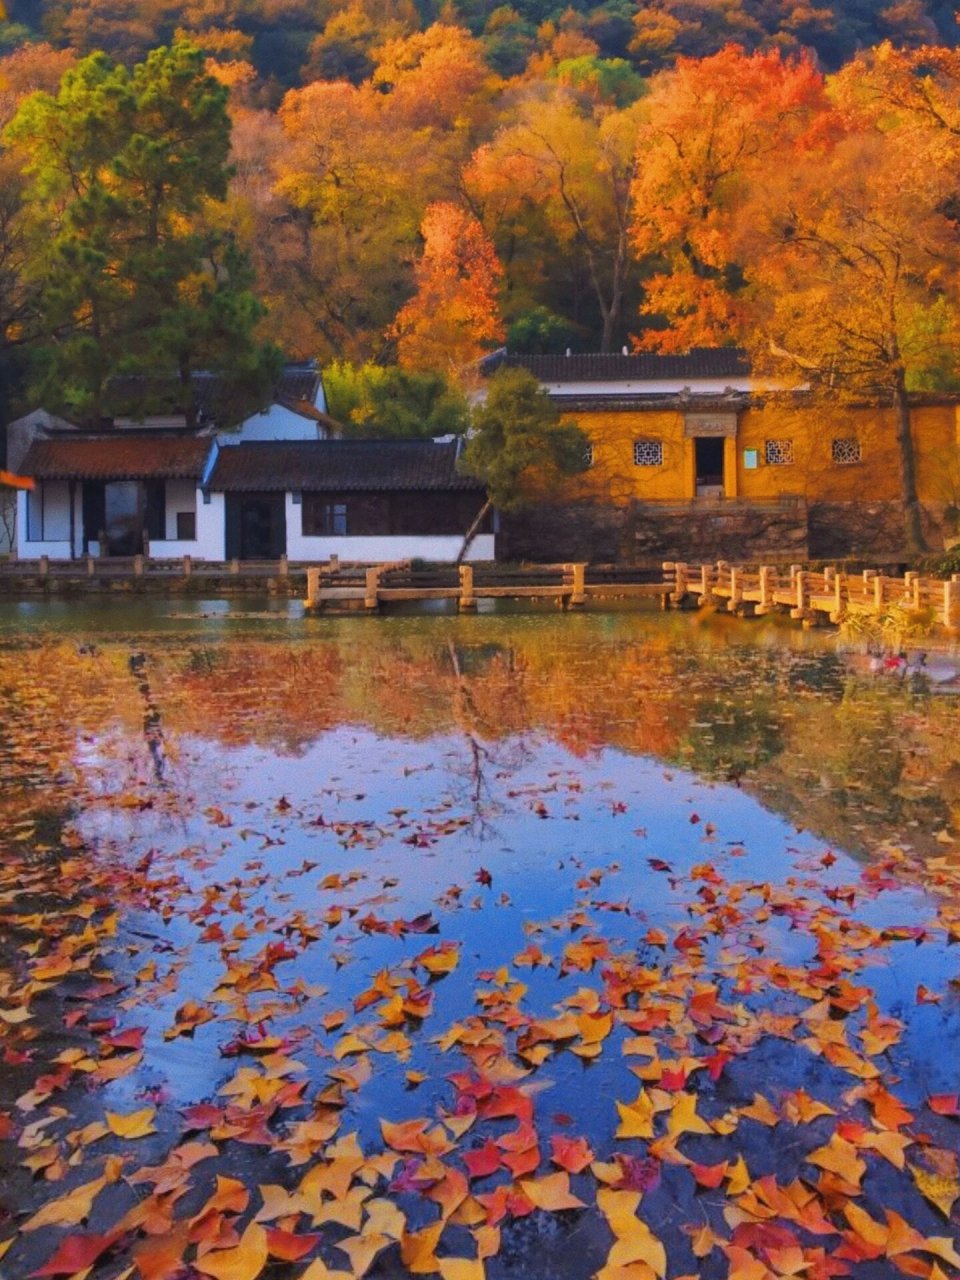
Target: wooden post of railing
point(187, 566)
point(878, 584)
point(911, 588)
point(91, 565)
point(44, 566)
point(578, 584)
point(467, 599)
point(138, 566)
point(284, 566)
point(681, 582)
point(706, 580)
point(669, 571)
point(801, 593)
point(371, 597)
point(234, 566)
point(333, 564)
point(950, 616)
point(765, 603)
point(839, 581)
point(736, 589)
point(313, 589)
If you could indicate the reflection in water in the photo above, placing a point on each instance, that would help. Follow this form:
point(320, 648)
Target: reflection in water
point(274, 883)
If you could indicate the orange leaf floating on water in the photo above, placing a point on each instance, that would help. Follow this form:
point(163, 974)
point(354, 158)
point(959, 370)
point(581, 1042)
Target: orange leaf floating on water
point(709, 1175)
point(362, 1249)
point(760, 1109)
point(75, 1254)
point(243, 1262)
point(482, 1161)
point(462, 1269)
point(418, 1249)
point(138, 1124)
point(944, 1104)
point(69, 1210)
point(572, 1154)
point(926, 996)
point(551, 1192)
point(840, 1156)
point(636, 1118)
point(288, 1246)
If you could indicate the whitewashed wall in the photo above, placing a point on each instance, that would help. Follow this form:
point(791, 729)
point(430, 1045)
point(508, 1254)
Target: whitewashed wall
point(277, 423)
point(439, 548)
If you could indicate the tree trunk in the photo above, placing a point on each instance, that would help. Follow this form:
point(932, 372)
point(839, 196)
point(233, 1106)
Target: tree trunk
point(471, 533)
point(912, 513)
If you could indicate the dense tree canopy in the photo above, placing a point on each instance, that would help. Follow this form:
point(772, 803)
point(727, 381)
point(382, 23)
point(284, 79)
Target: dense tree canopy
point(128, 272)
point(378, 181)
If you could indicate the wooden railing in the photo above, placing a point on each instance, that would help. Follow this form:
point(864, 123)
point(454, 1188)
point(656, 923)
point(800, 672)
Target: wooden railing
point(807, 594)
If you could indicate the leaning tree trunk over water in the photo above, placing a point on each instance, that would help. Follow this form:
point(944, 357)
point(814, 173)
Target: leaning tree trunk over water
point(471, 533)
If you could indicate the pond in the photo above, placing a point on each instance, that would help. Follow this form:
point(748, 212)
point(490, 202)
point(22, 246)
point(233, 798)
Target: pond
point(526, 944)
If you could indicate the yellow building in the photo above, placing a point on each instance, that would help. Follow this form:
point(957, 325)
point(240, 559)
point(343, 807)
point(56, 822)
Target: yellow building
point(700, 431)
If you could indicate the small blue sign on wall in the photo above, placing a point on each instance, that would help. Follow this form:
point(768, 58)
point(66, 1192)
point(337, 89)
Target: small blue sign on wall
point(751, 459)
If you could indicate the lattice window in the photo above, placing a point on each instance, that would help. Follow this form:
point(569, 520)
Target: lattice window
point(778, 453)
point(846, 450)
point(648, 453)
point(589, 455)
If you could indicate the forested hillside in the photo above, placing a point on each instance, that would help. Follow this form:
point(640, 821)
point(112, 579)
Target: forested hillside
point(214, 185)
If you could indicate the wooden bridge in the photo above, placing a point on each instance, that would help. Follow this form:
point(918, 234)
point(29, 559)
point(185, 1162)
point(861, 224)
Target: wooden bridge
point(568, 585)
point(830, 594)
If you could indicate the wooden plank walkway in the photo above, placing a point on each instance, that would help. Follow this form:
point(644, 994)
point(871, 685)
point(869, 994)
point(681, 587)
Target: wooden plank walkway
point(565, 585)
point(830, 594)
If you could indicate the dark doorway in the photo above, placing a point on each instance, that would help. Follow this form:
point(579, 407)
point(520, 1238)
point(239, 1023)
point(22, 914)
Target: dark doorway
point(256, 526)
point(94, 513)
point(709, 462)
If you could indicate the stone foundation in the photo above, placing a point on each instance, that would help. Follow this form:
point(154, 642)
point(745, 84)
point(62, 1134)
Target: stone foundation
point(648, 533)
point(866, 530)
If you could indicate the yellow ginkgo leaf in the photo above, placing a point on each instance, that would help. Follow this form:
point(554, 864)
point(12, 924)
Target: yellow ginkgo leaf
point(135, 1125)
point(551, 1192)
point(68, 1210)
point(683, 1117)
point(462, 1269)
point(636, 1118)
point(243, 1262)
point(940, 1189)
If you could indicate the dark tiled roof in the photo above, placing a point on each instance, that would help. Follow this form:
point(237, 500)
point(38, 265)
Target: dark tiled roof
point(342, 465)
point(701, 362)
point(718, 403)
point(124, 456)
point(135, 394)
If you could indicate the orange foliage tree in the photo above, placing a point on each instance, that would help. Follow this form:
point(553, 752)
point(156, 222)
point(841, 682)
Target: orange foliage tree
point(710, 128)
point(569, 170)
point(453, 318)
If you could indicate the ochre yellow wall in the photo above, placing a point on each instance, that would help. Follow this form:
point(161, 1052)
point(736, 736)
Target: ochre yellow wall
point(813, 475)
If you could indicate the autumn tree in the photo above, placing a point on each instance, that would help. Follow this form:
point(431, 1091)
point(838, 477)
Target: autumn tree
point(453, 318)
point(706, 131)
point(566, 168)
point(131, 276)
point(518, 446)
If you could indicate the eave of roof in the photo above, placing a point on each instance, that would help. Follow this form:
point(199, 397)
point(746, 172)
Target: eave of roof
point(119, 456)
point(345, 466)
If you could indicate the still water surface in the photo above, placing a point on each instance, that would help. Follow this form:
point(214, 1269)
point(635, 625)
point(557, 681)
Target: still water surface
point(545, 801)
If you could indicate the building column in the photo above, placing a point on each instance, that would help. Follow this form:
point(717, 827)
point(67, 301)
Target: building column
point(730, 462)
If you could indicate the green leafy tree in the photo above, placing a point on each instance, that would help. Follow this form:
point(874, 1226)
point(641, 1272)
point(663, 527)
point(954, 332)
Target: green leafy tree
point(380, 401)
point(518, 446)
point(125, 170)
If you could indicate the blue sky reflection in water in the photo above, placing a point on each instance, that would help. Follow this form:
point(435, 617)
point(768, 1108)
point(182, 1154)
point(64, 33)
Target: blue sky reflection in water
point(363, 792)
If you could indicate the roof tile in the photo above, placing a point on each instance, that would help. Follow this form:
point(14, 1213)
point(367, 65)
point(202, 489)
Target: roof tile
point(701, 362)
point(342, 465)
point(125, 456)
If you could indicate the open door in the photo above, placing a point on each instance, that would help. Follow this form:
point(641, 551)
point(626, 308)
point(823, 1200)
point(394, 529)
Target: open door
point(709, 463)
